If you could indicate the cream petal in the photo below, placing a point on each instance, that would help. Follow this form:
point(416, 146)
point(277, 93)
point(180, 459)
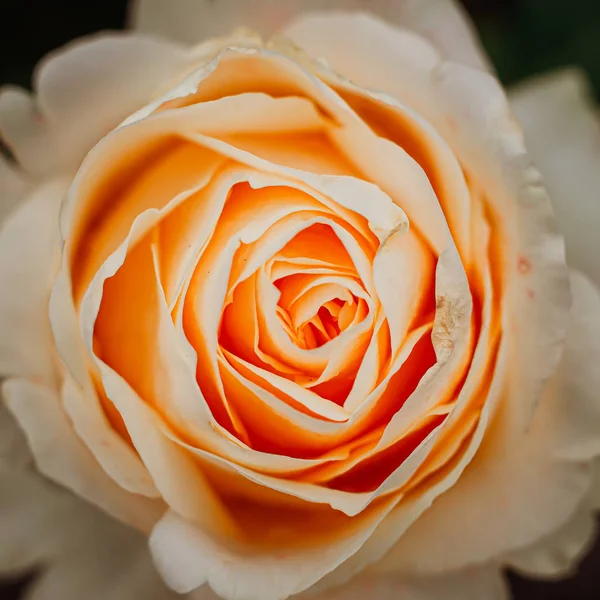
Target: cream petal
point(34, 520)
point(14, 186)
point(75, 106)
point(444, 22)
point(14, 451)
point(74, 547)
point(562, 129)
point(29, 258)
point(61, 455)
point(557, 555)
point(564, 430)
point(576, 420)
point(484, 583)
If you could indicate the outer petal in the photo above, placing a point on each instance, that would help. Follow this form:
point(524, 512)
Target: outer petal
point(562, 129)
point(577, 422)
point(61, 456)
point(14, 452)
point(444, 22)
point(13, 187)
point(76, 105)
point(558, 554)
point(82, 552)
point(484, 583)
point(29, 258)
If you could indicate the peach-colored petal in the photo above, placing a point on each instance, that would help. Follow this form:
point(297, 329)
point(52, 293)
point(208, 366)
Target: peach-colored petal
point(402, 271)
point(173, 472)
point(377, 69)
point(394, 527)
point(348, 194)
point(560, 118)
point(520, 479)
point(466, 106)
point(469, 109)
point(74, 106)
point(112, 452)
point(173, 389)
point(187, 558)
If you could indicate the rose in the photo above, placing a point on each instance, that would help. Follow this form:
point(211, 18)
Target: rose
point(234, 464)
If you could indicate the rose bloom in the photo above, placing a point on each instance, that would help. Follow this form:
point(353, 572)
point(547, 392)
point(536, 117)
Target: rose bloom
point(293, 309)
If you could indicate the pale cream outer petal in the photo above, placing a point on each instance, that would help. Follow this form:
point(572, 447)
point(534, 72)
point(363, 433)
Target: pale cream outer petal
point(558, 555)
point(562, 130)
point(14, 452)
point(480, 583)
point(444, 22)
point(14, 186)
point(78, 551)
point(578, 422)
point(29, 260)
point(61, 455)
point(74, 105)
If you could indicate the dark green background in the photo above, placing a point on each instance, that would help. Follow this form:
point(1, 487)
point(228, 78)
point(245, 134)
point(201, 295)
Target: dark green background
point(523, 37)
